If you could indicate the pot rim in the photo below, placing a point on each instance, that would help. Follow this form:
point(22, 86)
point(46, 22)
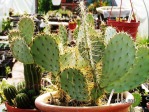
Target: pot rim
point(40, 100)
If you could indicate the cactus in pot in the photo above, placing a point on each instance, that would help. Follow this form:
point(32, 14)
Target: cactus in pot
point(92, 68)
point(20, 41)
point(118, 65)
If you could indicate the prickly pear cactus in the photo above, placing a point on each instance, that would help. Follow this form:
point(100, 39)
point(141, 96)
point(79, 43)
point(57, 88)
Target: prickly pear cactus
point(63, 34)
point(46, 53)
point(74, 83)
point(21, 51)
point(14, 34)
point(26, 28)
point(118, 57)
point(136, 75)
point(109, 33)
point(20, 42)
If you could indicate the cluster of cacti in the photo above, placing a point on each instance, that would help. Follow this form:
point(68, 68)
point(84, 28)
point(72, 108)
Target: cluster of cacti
point(106, 66)
point(21, 99)
point(20, 41)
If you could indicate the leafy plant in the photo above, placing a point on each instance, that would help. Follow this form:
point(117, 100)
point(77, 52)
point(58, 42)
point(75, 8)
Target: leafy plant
point(6, 26)
point(3, 84)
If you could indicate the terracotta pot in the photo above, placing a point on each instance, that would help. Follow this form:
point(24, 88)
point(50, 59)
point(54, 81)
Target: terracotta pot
point(41, 104)
point(131, 28)
point(14, 109)
point(147, 105)
point(72, 25)
point(63, 1)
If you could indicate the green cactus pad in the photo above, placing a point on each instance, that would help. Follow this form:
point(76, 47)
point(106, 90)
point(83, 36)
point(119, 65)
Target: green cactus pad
point(71, 59)
point(109, 33)
point(63, 34)
point(137, 75)
point(13, 35)
point(46, 53)
point(26, 28)
point(119, 56)
point(95, 45)
point(73, 82)
point(21, 51)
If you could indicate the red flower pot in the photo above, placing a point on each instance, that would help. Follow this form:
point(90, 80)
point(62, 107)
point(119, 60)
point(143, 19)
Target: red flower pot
point(147, 104)
point(72, 25)
point(131, 28)
point(14, 109)
point(63, 1)
point(41, 104)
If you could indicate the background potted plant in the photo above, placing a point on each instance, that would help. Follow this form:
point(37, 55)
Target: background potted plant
point(20, 41)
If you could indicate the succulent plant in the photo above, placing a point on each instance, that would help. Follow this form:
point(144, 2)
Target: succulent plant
point(20, 41)
point(10, 93)
point(118, 60)
point(91, 68)
point(23, 101)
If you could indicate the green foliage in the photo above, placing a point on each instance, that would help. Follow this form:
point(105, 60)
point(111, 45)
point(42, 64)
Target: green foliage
point(3, 84)
point(6, 26)
point(44, 6)
point(137, 99)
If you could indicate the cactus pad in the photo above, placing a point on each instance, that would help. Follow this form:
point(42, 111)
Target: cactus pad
point(26, 28)
point(94, 47)
point(71, 59)
point(73, 82)
point(109, 33)
point(119, 56)
point(138, 74)
point(13, 35)
point(21, 51)
point(45, 52)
